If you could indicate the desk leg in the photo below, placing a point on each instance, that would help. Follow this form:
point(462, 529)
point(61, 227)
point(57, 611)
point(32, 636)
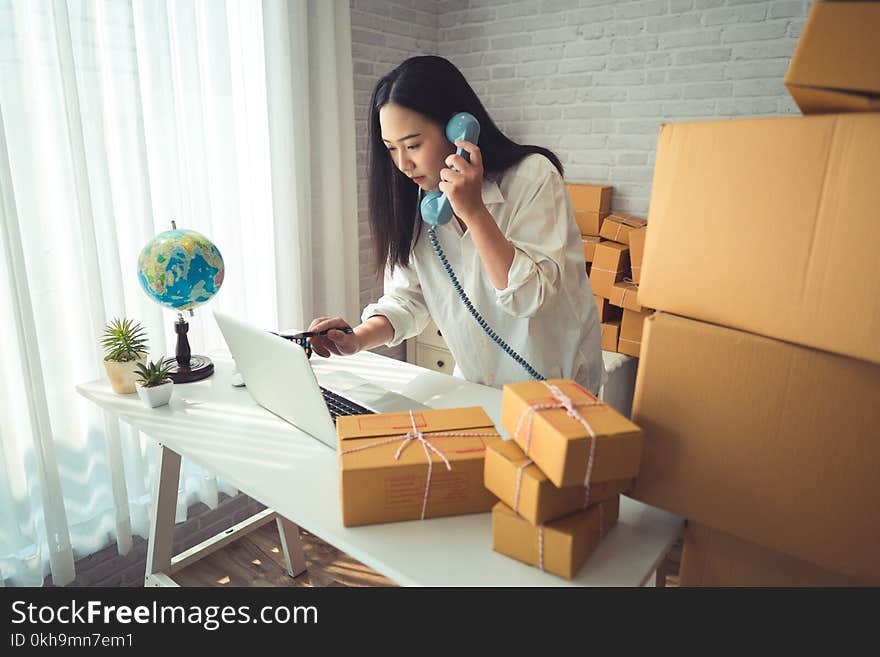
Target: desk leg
point(161, 539)
point(291, 543)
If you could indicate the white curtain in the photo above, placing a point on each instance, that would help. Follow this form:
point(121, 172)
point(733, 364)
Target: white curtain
point(233, 118)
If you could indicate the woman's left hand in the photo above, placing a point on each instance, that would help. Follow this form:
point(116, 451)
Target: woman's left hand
point(464, 187)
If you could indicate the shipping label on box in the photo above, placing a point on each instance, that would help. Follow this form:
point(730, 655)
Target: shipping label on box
point(625, 294)
point(410, 466)
point(636, 251)
point(836, 65)
point(610, 264)
point(515, 479)
point(630, 340)
point(618, 227)
point(559, 547)
point(609, 332)
point(589, 198)
point(590, 243)
point(572, 436)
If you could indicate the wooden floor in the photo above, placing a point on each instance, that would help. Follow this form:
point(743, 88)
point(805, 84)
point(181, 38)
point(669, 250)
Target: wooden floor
point(256, 559)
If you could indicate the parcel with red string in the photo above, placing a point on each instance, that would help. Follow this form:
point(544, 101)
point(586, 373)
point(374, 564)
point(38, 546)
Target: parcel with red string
point(411, 466)
point(572, 436)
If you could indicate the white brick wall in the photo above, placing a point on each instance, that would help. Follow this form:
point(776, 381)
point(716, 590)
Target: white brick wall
point(383, 34)
point(590, 79)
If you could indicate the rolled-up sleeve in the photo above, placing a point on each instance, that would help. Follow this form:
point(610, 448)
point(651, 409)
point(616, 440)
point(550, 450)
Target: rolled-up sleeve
point(403, 305)
point(538, 231)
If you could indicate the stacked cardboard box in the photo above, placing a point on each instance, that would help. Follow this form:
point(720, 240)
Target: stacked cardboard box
point(559, 486)
point(613, 247)
point(759, 396)
point(590, 204)
point(380, 483)
point(615, 279)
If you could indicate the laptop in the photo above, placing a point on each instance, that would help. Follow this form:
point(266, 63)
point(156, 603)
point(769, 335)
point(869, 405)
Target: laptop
point(279, 377)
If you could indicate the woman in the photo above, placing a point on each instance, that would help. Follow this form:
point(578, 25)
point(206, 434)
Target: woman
point(513, 244)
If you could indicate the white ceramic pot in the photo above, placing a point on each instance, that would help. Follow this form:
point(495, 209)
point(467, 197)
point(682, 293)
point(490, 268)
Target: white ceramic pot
point(156, 395)
point(122, 375)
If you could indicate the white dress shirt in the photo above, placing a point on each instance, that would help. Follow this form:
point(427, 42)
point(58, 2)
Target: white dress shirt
point(546, 313)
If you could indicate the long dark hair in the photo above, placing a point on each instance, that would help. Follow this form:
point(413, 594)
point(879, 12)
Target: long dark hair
point(435, 88)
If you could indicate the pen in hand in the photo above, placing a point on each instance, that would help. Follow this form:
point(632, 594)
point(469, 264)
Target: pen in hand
point(312, 334)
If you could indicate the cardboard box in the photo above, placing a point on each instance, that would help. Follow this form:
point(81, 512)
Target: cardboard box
point(637, 251)
point(590, 242)
point(560, 444)
point(836, 65)
point(376, 487)
point(630, 340)
point(771, 442)
point(589, 198)
point(618, 227)
point(625, 295)
point(712, 558)
point(607, 312)
point(590, 223)
point(560, 547)
point(785, 246)
point(536, 498)
point(610, 332)
point(610, 264)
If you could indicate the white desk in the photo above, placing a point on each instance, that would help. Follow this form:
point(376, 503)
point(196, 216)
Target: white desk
point(222, 429)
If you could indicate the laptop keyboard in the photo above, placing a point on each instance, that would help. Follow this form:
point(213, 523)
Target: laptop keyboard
point(341, 406)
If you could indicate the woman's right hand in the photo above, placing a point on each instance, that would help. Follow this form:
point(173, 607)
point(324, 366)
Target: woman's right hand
point(335, 342)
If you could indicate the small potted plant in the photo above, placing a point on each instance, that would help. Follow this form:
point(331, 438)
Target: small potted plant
point(125, 344)
point(153, 385)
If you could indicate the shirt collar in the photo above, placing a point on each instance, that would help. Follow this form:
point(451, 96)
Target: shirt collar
point(491, 192)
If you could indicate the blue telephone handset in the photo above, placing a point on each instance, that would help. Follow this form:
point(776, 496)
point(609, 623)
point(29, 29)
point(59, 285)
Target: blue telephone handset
point(436, 208)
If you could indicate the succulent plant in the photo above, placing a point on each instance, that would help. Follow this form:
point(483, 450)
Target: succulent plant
point(124, 340)
point(154, 373)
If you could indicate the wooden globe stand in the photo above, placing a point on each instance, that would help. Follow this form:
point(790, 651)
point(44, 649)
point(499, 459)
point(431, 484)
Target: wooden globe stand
point(189, 368)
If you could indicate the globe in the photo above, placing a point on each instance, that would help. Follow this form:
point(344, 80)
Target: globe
point(180, 269)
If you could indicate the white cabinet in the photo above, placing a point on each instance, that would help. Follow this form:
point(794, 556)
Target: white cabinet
point(429, 350)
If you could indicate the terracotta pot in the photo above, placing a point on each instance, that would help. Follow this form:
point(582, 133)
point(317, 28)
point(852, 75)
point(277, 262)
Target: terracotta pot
point(155, 395)
point(122, 374)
